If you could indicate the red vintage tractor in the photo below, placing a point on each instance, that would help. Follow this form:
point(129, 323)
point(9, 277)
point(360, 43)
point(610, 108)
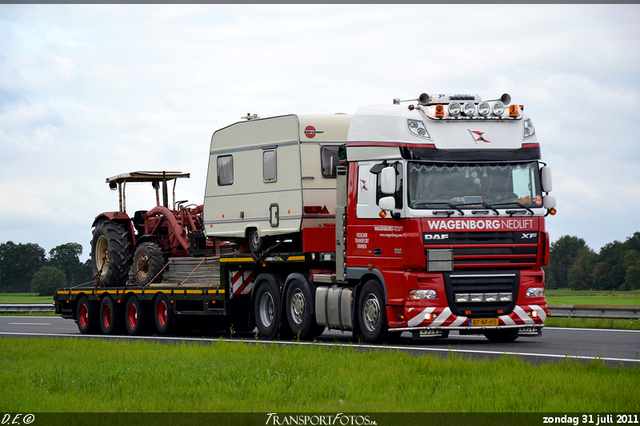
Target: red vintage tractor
point(128, 249)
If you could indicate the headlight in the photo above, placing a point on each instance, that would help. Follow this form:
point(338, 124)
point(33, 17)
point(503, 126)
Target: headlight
point(498, 109)
point(491, 297)
point(423, 294)
point(505, 297)
point(528, 128)
point(417, 128)
point(462, 298)
point(468, 108)
point(484, 109)
point(535, 292)
point(454, 109)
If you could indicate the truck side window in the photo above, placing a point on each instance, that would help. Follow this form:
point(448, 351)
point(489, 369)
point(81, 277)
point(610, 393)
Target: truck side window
point(330, 160)
point(225, 170)
point(269, 165)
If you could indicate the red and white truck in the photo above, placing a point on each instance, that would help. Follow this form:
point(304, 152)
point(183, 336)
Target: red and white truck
point(423, 216)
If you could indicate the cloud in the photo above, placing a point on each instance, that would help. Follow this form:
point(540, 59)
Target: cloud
point(90, 91)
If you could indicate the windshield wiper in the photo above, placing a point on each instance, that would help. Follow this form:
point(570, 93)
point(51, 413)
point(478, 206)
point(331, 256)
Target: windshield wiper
point(446, 203)
point(518, 203)
point(487, 206)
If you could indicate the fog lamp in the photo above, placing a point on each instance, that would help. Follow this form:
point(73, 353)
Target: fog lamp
point(477, 297)
point(462, 298)
point(484, 109)
point(505, 297)
point(468, 108)
point(498, 109)
point(491, 297)
point(454, 109)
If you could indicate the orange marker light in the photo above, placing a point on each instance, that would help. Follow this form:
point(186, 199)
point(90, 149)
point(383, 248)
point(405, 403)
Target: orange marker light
point(439, 110)
point(513, 110)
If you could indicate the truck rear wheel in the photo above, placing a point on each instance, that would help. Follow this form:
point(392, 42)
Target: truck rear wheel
point(135, 317)
point(148, 262)
point(163, 314)
point(372, 313)
point(87, 316)
point(110, 253)
point(111, 319)
point(298, 309)
point(267, 309)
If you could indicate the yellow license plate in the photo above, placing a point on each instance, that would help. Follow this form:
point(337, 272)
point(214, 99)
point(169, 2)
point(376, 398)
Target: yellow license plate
point(483, 322)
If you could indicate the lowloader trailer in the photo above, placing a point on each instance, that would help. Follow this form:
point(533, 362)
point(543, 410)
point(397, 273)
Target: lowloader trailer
point(424, 216)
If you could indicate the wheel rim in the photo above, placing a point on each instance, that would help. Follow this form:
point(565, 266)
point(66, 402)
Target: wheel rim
point(162, 313)
point(255, 238)
point(106, 316)
point(297, 306)
point(132, 315)
point(371, 313)
point(102, 255)
point(266, 309)
point(84, 315)
point(142, 265)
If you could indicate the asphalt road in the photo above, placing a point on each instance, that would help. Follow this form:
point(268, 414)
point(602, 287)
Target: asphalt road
point(614, 347)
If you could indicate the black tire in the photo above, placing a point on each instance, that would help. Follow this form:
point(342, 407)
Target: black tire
point(298, 307)
point(147, 263)
point(268, 309)
point(111, 318)
point(163, 314)
point(135, 317)
point(257, 244)
point(87, 316)
point(502, 336)
point(372, 313)
point(111, 253)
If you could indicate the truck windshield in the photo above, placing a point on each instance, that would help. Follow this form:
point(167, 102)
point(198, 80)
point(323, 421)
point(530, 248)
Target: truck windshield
point(473, 185)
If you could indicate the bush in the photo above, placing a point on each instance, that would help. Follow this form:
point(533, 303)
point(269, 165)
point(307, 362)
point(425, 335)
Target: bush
point(47, 280)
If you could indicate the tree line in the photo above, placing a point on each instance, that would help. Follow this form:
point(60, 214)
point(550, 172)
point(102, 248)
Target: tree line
point(574, 265)
point(26, 268)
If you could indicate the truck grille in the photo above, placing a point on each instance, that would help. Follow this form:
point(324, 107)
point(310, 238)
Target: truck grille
point(487, 249)
point(481, 282)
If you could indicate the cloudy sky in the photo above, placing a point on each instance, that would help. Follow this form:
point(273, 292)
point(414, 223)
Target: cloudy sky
point(91, 91)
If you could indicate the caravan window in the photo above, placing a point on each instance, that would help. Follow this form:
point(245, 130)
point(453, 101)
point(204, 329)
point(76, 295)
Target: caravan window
point(269, 165)
point(330, 160)
point(225, 170)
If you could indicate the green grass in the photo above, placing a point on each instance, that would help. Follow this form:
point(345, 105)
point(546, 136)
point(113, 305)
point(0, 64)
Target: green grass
point(613, 298)
point(24, 298)
point(87, 375)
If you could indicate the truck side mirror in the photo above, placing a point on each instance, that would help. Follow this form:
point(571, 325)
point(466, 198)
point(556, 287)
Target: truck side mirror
point(545, 177)
point(388, 180)
point(387, 203)
point(548, 202)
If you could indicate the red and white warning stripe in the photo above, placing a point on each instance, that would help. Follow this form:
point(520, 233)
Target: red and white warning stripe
point(443, 317)
point(242, 282)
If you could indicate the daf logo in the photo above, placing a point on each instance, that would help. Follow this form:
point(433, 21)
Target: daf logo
point(528, 235)
point(436, 236)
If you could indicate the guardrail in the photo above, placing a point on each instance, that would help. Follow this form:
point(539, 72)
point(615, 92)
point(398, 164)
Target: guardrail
point(16, 308)
point(561, 311)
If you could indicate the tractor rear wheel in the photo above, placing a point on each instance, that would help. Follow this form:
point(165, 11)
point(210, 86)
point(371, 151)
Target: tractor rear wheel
point(110, 253)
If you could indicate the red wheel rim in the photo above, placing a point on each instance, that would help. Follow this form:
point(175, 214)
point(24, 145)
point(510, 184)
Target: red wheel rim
point(162, 313)
point(84, 315)
point(132, 315)
point(106, 316)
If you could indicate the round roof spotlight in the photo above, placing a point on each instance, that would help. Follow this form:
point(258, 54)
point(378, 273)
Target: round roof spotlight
point(423, 99)
point(454, 109)
point(498, 109)
point(484, 109)
point(468, 108)
point(505, 99)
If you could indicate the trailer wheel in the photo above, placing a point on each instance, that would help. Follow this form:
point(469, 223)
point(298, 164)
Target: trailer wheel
point(298, 310)
point(87, 316)
point(257, 244)
point(372, 313)
point(267, 309)
point(148, 262)
point(163, 314)
point(110, 253)
point(502, 336)
point(135, 317)
point(110, 316)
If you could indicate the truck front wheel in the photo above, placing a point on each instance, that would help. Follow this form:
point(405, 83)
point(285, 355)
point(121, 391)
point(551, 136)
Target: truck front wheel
point(110, 253)
point(267, 309)
point(372, 313)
